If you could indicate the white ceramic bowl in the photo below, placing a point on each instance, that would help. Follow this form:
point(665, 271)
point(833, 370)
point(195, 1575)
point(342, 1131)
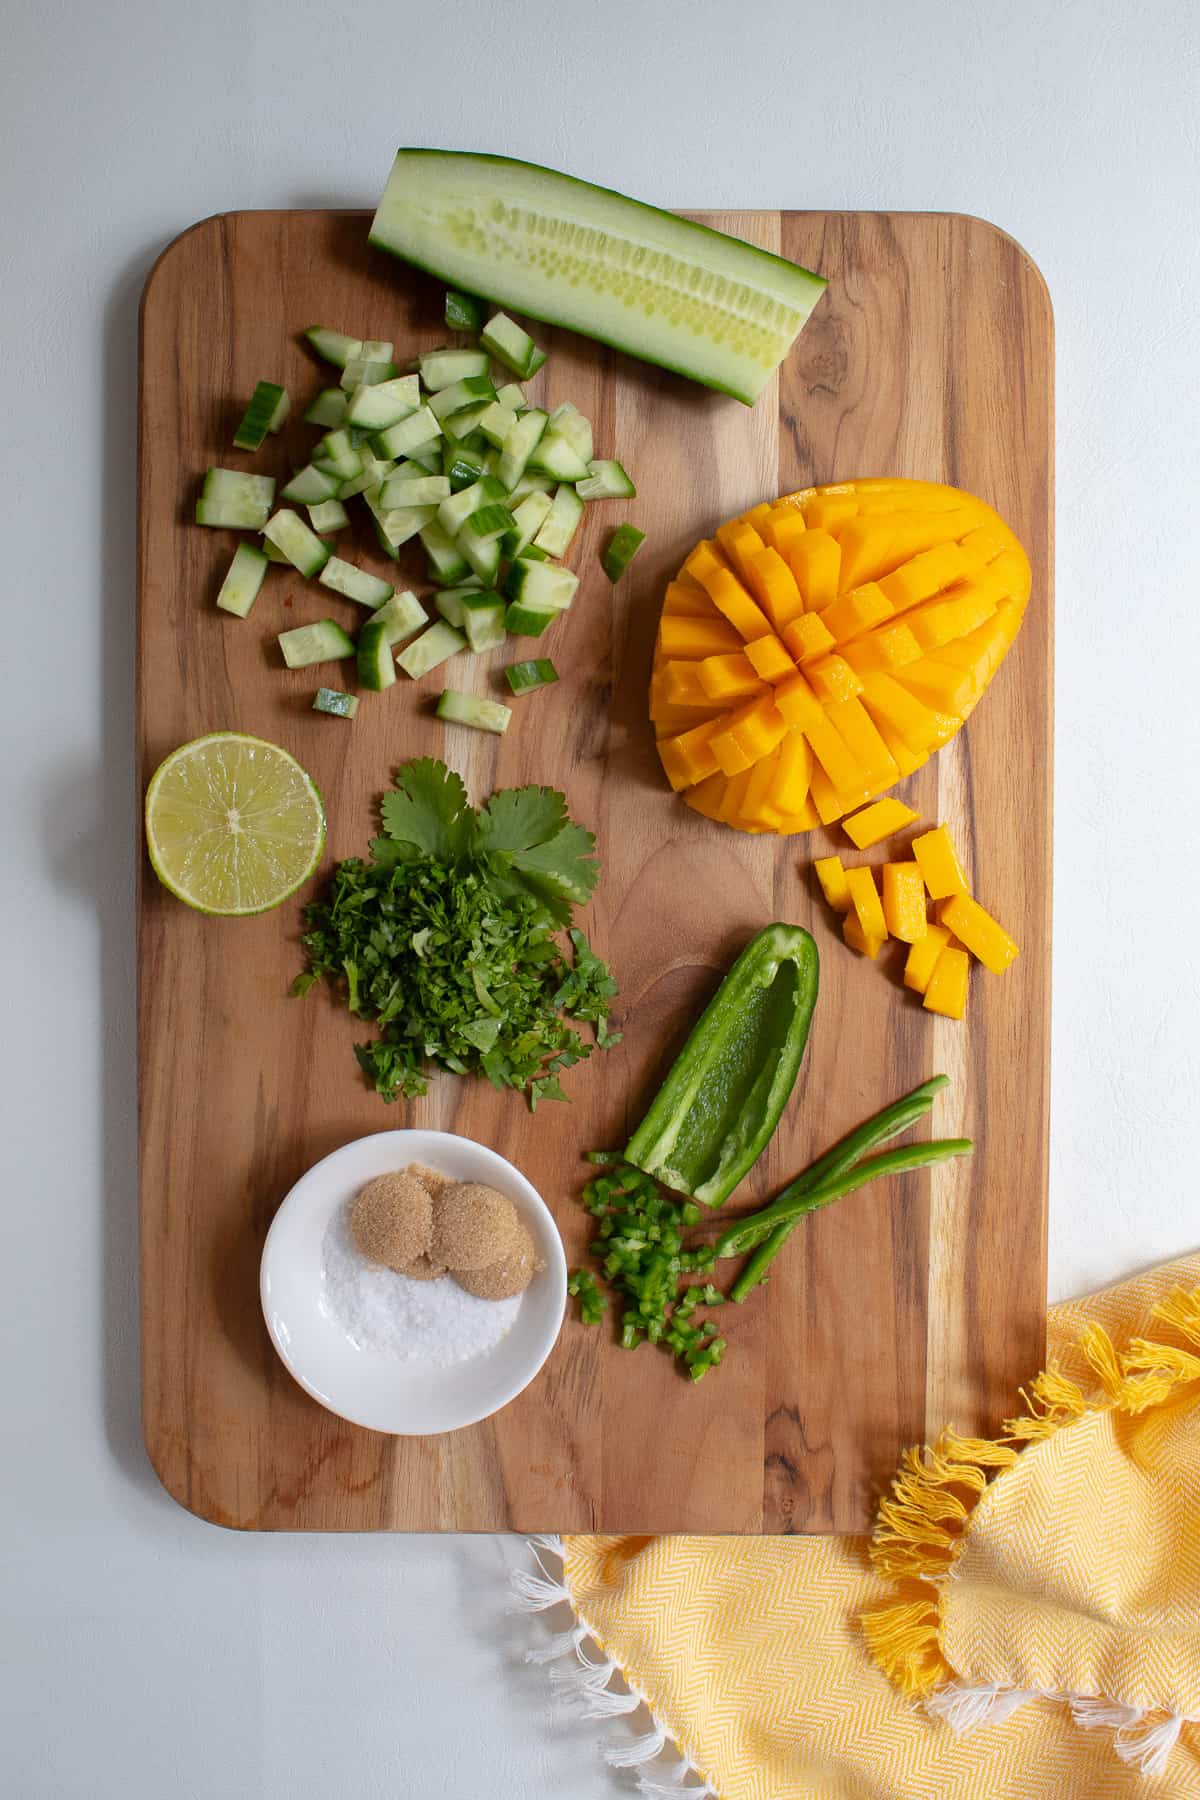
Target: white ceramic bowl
point(367, 1387)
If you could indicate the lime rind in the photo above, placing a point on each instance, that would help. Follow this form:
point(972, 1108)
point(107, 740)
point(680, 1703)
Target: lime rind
point(234, 825)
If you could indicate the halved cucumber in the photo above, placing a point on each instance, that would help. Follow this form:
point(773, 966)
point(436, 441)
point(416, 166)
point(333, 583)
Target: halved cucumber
point(546, 586)
point(246, 574)
point(716, 309)
point(400, 615)
point(310, 485)
point(354, 583)
point(306, 644)
point(483, 619)
point(433, 647)
point(442, 368)
point(376, 667)
point(239, 502)
point(302, 547)
point(268, 408)
point(560, 524)
point(339, 705)
point(468, 709)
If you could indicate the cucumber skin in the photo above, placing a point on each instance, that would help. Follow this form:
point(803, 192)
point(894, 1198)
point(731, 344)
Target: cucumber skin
point(377, 238)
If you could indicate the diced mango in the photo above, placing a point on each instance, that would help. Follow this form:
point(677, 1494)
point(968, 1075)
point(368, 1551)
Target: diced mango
point(775, 588)
point(782, 529)
point(730, 677)
point(682, 685)
point(702, 561)
point(832, 877)
point(884, 651)
point(729, 753)
point(740, 542)
point(807, 638)
point(689, 757)
point(922, 958)
point(958, 611)
point(857, 611)
point(794, 776)
point(815, 560)
point(904, 901)
point(925, 576)
point(787, 824)
point(768, 658)
point(1012, 568)
point(831, 509)
point(873, 544)
point(832, 679)
point(758, 809)
point(730, 597)
point(681, 636)
point(854, 935)
point(758, 515)
point(674, 719)
point(688, 600)
point(708, 796)
point(831, 751)
point(982, 935)
point(857, 731)
point(982, 546)
point(877, 822)
point(940, 685)
point(946, 991)
point(921, 728)
point(908, 761)
point(864, 897)
point(759, 727)
point(825, 797)
point(940, 865)
point(730, 810)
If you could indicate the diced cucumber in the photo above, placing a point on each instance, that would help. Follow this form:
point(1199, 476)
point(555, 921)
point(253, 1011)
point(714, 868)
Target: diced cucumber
point(376, 668)
point(530, 484)
point(354, 583)
point(245, 576)
point(400, 616)
point(483, 619)
point(333, 346)
point(449, 601)
point(328, 409)
point(360, 372)
point(675, 293)
point(462, 468)
point(520, 445)
point(483, 554)
point(561, 523)
point(446, 561)
point(570, 423)
point(441, 369)
point(372, 474)
point(463, 396)
point(490, 522)
point(385, 543)
point(375, 408)
point(463, 311)
point(268, 408)
point(377, 350)
point(527, 522)
point(407, 490)
point(240, 502)
point(339, 705)
point(529, 621)
point(433, 647)
point(302, 547)
point(496, 423)
point(524, 677)
point(466, 709)
point(273, 553)
point(427, 458)
point(337, 455)
point(620, 551)
point(542, 585)
point(402, 439)
point(531, 553)
point(464, 425)
point(510, 345)
point(328, 515)
point(606, 481)
point(309, 486)
point(307, 644)
point(554, 455)
point(512, 396)
point(454, 512)
point(404, 522)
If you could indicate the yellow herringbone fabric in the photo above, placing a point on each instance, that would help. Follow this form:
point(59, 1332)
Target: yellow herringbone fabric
point(1078, 1572)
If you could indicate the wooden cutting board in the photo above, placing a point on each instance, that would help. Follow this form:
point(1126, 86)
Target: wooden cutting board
point(903, 1308)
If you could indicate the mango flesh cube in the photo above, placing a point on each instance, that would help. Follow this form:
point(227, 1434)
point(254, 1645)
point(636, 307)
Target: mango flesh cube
point(825, 797)
point(689, 757)
point(769, 660)
point(806, 819)
point(760, 728)
point(857, 612)
point(922, 958)
point(729, 753)
point(947, 989)
point(854, 935)
point(958, 611)
point(682, 685)
point(689, 600)
point(904, 902)
point(853, 725)
point(685, 637)
point(982, 935)
point(739, 541)
point(708, 796)
point(884, 651)
point(940, 685)
point(938, 861)
point(832, 877)
point(784, 528)
point(832, 679)
point(807, 638)
point(815, 560)
point(730, 810)
point(758, 515)
point(864, 897)
point(829, 510)
point(775, 586)
point(730, 597)
point(756, 808)
point(794, 777)
point(877, 822)
point(920, 727)
point(926, 575)
point(730, 677)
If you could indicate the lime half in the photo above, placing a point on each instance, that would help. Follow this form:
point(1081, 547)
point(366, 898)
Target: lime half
point(233, 824)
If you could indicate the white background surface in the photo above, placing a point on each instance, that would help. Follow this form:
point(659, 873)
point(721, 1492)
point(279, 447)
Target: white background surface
point(145, 1654)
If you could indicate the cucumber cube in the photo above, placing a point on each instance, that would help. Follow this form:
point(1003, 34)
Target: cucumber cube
point(463, 311)
point(511, 346)
point(376, 669)
point(247, 572)
point(400, 616)
point(309, 486)
point(333, 346)
point(328, 515)
point(528, 518)
point(328, 409)
point(407, 490)
point(308, 644)
point(450, 603)
point(268, 408)
point(302, 547)
point(529, 621)
point(524, 677)
point(512, 396)
point(400, 440)
point(496, 422)
point(440, 369)
point(463, 396)
point(375, 408)
point(239, 502)
point(339, 705)
point(543, 585)
point(467, 709)
point(431, 649)
point(554, 455)
point(483, 620)
point(519, 446)
point(446, 561)
point(561, 523)
point(361, 372)
point(606, 481)
point(354, 583)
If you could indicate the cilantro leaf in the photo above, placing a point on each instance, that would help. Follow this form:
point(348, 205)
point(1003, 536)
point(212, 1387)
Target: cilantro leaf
point(517, 818)
point(528, 833)
point(430, 810)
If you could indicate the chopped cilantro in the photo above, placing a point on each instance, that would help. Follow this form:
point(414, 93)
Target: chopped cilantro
point(445, 938)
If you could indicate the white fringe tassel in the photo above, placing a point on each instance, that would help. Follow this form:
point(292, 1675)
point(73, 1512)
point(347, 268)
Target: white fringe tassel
point(964, 1708)
point(1143, 1739)
point(586, 1686)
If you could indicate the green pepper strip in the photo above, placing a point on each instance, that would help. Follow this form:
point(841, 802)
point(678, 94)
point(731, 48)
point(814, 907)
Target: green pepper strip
point(878, 1130)
point(791, 1206)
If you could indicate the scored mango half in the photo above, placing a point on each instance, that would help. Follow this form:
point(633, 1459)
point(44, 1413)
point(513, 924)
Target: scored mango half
point(818, 650)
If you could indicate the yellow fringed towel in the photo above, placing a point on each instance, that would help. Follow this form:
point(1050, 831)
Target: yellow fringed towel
point(1034, 1602)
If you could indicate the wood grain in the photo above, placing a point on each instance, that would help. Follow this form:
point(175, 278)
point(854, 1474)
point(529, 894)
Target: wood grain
point(903, 1308)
